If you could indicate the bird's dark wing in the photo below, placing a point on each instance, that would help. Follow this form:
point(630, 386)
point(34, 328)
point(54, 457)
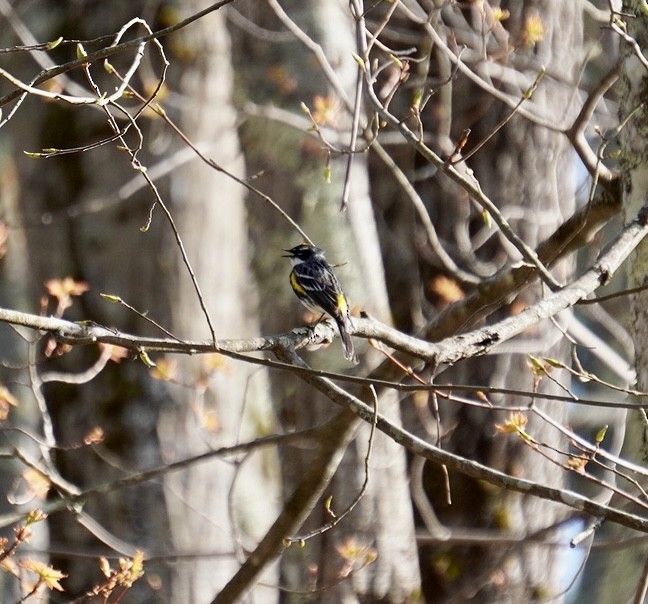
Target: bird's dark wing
point(321, 284)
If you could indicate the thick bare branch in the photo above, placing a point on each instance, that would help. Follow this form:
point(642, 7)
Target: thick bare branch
point(450, 350)
point(573, 234)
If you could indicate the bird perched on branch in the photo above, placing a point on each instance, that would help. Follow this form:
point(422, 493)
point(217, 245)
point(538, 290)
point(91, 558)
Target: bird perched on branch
point(318, 289)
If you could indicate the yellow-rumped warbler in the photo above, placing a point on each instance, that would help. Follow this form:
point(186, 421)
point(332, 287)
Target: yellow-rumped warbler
point(319, 290)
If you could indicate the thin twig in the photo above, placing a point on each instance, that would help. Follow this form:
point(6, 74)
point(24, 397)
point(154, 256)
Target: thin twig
point(526, 95)
point(642, 586)
point(576, 133)
point(108, 51)
point(84, 376)
point(355, 121)
point(122, 302)
point(471, 186)
point(159, 110)
point(337, 518)
point(140, 168)
point(419, 205)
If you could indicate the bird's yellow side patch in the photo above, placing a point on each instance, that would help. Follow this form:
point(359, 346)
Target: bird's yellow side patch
point(342, 303)
point(295, 284)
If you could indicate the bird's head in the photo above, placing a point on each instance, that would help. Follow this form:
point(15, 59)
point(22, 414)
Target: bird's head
point(304, 252)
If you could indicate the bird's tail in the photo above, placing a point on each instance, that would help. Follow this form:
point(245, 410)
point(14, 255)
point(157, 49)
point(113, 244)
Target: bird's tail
point(347, 342)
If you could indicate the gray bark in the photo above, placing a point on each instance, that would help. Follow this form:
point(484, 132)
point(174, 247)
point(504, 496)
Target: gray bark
point(526, 170)
point(383, 520)
point(80, 224)
point(236, 502)
point(619, 577)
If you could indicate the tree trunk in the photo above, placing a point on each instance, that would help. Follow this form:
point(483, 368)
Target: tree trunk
point(620, 576)
point(383, 520)
point(523, 168)
point(81, 225)
point(236, 501)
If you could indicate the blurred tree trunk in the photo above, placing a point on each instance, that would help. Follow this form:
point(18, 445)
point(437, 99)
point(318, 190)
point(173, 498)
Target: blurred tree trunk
point(14, 265)
point(528, 171)
point(210, 213)
point(147, 422)
point(383, 520)
point(622, 575)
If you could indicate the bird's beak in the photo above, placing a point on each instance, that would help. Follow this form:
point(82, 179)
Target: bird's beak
point(288, 255)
